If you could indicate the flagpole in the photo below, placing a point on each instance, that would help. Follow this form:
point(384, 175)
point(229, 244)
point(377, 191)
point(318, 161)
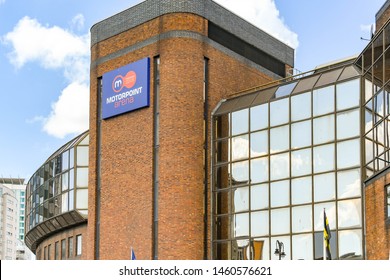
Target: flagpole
point(324, 241)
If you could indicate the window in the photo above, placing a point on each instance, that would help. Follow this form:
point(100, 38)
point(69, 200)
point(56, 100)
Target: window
point(56, 250)
point(45, 253)
point(63, 249)
point(70, 247)
point(78, 245)
point(48, 252)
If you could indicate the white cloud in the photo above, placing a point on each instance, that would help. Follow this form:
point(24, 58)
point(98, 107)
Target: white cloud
point(265, 15)
point(56, 48)
point(78, 22)
point(2, 1)
point(70, 113)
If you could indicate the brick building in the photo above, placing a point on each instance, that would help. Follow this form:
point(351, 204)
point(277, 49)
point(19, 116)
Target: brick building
point(186, 163)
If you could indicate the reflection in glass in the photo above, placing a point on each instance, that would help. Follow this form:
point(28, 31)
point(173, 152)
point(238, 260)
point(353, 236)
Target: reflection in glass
point(259, 117)
point(301, 162)
point(324, 187)
point(280, 221)
point(240, 122)
point(348, 94)
point(301, 106)
point(286, 242)
point(240, 147)
point(223, 203)
point(279, 139)
point(222, 177)
point(285, 90)
point(330, 208)
point(323, 100)
point(348, 153)
point(301, 218)
point(64, 204)
point(240, 173)
point(319, 244)
point(348, 183)
point(265, 250)
point(241, 224)
point(241, 199)
point(300, 134)
point(280, 166)
point(82, 177)
point(301, 190)
point(65, 160)
point(323, 158)
point(323, 129)
point(279, 112)
point(259, 170)
point(259, 143)
point(260, 223)
point(259, 196)
point(302, 247)
point(350, 244)
point(280, 193)
point(349, 213)
point(348, 124)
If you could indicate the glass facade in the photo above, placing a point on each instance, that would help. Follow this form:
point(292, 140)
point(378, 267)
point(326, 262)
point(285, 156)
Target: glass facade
point(280, 160)
point(58, 187)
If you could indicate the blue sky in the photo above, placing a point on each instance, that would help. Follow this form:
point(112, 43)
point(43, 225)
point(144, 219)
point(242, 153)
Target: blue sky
point(44, 60)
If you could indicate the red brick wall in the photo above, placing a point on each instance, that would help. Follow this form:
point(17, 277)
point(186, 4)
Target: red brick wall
point(377, 230)
point(382, 19)
point(127, 144)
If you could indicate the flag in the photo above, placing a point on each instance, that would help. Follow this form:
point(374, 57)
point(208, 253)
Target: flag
point(132, 254)
point(327, 236)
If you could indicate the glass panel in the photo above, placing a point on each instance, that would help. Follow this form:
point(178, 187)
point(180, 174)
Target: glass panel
point(301, 106)
point(82, 177)
point(280, 166)
point(279, 139)
point(259, 170)
point(259, 143)
point(280, 221)
point(223, 203)
point(260, 223)
point(240, 173)
point(323, 101)
point(261, 249)
point(301, 162)
point(259, 196)
point(348, 153)
point(280, 193)
point(279, 112)
point(222, 177)
point(319, 245)
point(368, 120)
point(350, 213)
point(240, 122)
point(378, 107)
point(223, 150)
point(82, 155)
point(330, 209)
point(241, 199)
point(368, 89)
point(223, 227)
point(369, 150)
point(259, 117)
point(301, 219)
point(323, 129)
point(240, 147)
point(302, 247)
point(350, 244)
point(241, 225)
point(324, 158)
point(222, 126)
point(348, 94)
point(71, 179)
point(284, 90)
point(64, 204)
point(65, 181)
point(348, 124)
point(222, 251)
point(82, 199)
point(71, 200)
point(71, 158)
point(285, 240)
point(301, 134)
point(348, 183)
point(65, 160)
point(301, 190)
point(324, 187)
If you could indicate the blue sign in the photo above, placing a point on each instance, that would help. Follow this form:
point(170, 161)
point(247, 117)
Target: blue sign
point(126, 89)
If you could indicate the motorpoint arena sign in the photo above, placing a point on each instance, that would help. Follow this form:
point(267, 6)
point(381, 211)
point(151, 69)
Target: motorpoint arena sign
point(126, 89)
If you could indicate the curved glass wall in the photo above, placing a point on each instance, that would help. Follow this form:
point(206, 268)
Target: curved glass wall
point(279, 163)
point(59, 186)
